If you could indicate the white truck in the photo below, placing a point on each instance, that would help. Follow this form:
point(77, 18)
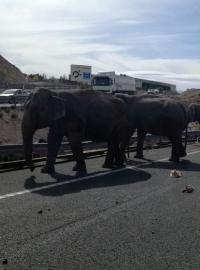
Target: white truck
point(112, 83)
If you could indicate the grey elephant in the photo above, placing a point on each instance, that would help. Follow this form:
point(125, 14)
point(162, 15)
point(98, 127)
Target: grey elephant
point(194, 112)
point(158, 116)
point(77, 115)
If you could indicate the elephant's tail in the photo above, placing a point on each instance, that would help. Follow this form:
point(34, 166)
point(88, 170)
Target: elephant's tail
point(186, 137)
point(185, 121)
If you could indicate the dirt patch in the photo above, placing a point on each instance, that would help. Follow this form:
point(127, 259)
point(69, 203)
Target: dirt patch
point(10, 127)
point(189, 96)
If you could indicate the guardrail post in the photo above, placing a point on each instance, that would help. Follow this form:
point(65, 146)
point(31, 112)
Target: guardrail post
point(15, 101)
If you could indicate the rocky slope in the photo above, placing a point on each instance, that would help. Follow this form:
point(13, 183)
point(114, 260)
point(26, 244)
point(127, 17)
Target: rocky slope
point(10, 74)
point(10, 127)
point(190, 96)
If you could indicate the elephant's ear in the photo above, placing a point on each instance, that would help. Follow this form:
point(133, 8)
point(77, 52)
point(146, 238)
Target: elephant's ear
point(58, 108)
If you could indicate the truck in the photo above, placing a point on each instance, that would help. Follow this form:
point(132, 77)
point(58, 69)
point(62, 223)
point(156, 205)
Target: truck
point(112, 83)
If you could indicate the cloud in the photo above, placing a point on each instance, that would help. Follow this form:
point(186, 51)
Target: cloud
point(155, 40)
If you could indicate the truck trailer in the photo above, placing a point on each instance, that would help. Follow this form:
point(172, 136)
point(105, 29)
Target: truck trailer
point(112, 83)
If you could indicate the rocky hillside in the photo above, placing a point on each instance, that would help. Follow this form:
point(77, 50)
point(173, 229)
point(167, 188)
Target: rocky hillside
point(10, 123)
point(189, 96)
point(10, 74)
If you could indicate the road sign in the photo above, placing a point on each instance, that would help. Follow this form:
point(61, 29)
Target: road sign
point(81, 73)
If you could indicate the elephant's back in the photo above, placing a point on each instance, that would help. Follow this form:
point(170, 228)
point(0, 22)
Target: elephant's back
point(161, 116)
point(104, 114)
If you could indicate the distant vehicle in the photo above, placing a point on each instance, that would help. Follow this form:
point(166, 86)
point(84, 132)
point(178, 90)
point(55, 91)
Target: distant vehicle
point(14, 96)
point(112, 83)
point(153, 91)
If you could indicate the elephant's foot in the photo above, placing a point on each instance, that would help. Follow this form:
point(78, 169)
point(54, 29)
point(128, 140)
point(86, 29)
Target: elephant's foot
point(119, 165)
point(125, 158)
point(81, 173)
point(78, 168)
point(31, 167)
point(75, 168)
point(113, 166)
point(48, 170)
point(140, 156)
point(174, 159)
point(183, 153)
point(108, 166)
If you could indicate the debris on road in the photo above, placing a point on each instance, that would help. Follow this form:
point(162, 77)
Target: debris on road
point(176, 174)
point(5, 261)
point(41, 211)
point(188, 189)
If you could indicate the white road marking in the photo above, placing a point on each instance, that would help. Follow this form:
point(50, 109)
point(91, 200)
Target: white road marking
point(192, 153)
point(18, 193)
point(79, 179)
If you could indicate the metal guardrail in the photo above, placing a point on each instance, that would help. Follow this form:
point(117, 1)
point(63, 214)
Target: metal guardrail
point(42, 146)
point(65, 145)
point(95, 149)
point(36, 146)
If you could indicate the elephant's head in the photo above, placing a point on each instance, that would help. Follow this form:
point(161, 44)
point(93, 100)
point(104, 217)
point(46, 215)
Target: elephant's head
point(41, 109)
point(194, 112)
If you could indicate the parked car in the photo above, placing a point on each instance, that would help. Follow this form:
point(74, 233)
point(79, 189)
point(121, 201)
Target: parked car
point(14, 96)
point(153, 91)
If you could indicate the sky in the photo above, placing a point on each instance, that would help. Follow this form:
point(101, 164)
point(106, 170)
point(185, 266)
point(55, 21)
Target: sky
point(157, 40)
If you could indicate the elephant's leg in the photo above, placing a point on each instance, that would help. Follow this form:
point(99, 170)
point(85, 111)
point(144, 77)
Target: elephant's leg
point(114, 157)
point(75, 168)
point(175, 154)
point(122, 147)
point(119, 156)
point(109, 161)
point(140, 143)
point(124, 144)
point(77, 150)
point(182, 152)
point(54, 142)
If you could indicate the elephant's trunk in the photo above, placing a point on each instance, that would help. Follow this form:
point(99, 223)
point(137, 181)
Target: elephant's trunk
point(27, 135)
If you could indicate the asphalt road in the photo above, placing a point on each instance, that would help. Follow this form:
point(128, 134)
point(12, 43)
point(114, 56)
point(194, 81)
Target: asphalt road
point(133, 218)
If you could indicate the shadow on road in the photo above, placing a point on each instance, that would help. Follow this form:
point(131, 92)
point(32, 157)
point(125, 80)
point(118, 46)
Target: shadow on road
point(125, 177)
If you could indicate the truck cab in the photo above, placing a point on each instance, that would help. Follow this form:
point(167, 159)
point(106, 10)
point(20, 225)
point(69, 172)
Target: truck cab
point(103, 82)
point(110, 82)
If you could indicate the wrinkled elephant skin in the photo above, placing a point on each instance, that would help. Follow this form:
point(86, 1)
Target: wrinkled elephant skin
point(160, 116)
point(78, 115)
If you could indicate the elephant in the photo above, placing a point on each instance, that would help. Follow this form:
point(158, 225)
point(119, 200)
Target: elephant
point(157, 115)
point(79, 115)
point(194, 112)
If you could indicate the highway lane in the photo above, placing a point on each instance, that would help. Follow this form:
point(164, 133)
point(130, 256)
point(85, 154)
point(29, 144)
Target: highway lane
point(133, 218)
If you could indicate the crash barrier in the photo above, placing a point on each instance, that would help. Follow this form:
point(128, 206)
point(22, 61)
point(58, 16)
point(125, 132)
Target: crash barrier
point(198, 139)
point(42, 147)
point(91, 149)
point(15, 101)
